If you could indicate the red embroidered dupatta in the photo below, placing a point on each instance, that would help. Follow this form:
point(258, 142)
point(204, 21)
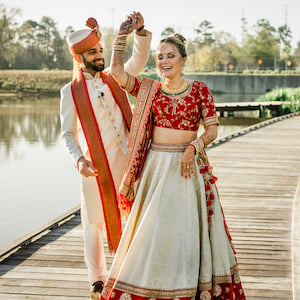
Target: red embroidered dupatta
point(92, 134)
point(140, 134)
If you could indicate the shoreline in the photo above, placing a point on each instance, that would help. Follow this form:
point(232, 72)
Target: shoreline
point(23, 83)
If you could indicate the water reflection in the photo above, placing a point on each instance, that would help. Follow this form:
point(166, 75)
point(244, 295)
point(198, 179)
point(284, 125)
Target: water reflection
point(29, 120)
point(38, 179)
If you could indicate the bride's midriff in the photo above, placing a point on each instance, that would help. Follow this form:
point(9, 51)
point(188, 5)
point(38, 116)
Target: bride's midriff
point(163, 135)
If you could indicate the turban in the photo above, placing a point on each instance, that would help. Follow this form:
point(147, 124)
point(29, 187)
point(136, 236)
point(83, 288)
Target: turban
point(84, 39)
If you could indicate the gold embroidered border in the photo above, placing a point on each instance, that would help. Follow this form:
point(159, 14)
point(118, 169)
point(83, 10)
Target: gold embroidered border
point(154, 293)
point(206, 286)
point(150, 293)
point(137, 121)
point(138, 137)
point(210, 121)
point(168, 147)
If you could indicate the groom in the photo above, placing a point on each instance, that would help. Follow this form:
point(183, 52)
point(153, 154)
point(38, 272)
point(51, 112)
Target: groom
point(96, 100)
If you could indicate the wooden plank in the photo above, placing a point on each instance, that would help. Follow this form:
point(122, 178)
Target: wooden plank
point(46, 290)
point(295, 232)
point(9, 268)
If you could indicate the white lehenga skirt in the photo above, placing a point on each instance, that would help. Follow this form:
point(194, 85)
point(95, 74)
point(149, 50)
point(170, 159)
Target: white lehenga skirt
point(168, 248)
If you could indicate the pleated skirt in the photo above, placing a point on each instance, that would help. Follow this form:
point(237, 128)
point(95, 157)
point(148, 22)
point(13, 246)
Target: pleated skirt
point(170, 247)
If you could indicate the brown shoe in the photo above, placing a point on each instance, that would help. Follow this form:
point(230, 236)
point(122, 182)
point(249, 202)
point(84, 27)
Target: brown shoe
point(97, 288)
point(95, 295)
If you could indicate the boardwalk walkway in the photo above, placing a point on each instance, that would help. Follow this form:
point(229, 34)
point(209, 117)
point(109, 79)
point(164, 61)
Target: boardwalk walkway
point(259, 185)
point(258, 178)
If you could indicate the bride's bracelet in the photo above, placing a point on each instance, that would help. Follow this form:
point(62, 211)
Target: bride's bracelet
point(120, 42)
point(198, 144)
point(130, 83)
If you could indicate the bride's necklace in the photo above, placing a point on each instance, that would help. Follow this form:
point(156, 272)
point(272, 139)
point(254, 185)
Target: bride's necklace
point(169, 91)
point(174, 93)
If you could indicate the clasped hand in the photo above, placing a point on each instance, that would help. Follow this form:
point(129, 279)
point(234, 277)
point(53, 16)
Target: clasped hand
point(134, 21)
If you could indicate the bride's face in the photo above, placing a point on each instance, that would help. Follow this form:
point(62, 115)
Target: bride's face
point(168, 60)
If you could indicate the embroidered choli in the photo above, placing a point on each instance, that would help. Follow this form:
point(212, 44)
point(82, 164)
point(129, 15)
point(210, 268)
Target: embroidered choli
point(182, 111)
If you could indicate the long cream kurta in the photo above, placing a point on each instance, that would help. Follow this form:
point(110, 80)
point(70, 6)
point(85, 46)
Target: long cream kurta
point(114, 136)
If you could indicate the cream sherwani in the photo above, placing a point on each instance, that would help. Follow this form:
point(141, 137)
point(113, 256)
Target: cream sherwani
point(114, 135)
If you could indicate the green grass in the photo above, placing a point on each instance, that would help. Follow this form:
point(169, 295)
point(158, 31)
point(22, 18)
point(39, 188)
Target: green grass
point(289, 95)
point(33, 81)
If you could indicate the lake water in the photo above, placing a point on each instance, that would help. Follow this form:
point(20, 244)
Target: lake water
point(38, 180)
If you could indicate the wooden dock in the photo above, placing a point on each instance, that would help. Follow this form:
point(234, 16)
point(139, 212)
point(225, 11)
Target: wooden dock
point(259, 182)
point(258, 174)
point(260, 106)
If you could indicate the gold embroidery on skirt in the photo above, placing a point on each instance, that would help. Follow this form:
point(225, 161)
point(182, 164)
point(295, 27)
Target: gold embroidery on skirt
point(149, 293)
point(168, 147)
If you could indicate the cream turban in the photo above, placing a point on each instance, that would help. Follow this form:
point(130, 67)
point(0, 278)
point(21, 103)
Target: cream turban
point(83, 39)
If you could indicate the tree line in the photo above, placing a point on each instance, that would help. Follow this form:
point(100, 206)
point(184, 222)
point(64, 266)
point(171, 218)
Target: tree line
point(40, 45)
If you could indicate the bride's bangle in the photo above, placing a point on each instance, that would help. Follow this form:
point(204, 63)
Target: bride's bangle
point(198, 144)
point(120, 42)
point(130, 83)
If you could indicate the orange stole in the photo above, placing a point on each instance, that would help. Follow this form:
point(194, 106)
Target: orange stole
point(98, 156)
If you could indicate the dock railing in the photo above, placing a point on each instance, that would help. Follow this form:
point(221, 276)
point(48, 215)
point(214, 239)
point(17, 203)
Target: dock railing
point(30, 237)
point(260, 106)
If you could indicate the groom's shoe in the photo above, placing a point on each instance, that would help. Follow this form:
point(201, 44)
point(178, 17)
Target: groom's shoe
point(97, 288)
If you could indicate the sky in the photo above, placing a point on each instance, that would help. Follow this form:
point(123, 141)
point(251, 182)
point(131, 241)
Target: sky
point(183, 15)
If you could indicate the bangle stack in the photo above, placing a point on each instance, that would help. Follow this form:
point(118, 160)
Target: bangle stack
point(120, 42)
point(198, 144)
point(130, 83)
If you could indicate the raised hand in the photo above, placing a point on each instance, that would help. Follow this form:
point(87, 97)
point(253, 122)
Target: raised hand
point(140, 20)
point(129, 24)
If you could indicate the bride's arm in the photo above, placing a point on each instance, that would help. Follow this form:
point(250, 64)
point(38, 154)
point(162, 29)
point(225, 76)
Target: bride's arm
point(117, 59)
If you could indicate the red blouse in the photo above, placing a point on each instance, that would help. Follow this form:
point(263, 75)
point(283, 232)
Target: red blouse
point(183, 111)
